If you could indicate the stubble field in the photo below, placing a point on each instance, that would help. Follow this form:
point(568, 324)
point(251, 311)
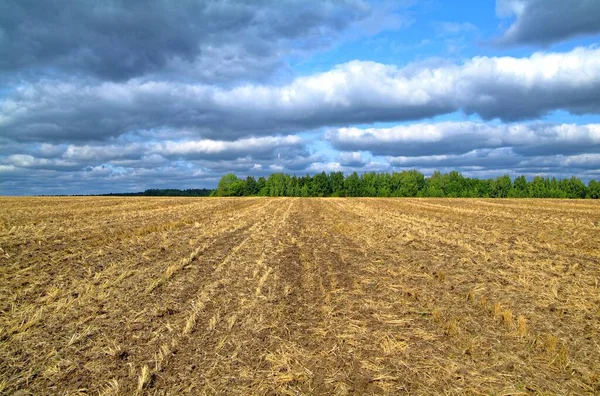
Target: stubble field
point(299, 296)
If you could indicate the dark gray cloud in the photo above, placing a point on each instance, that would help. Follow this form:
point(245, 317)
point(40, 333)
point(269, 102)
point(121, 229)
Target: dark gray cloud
point(543, 22)
point(126, 95)
point(214, 40)
point(356, 92)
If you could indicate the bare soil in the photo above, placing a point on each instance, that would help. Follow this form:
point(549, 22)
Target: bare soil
point(299, 296)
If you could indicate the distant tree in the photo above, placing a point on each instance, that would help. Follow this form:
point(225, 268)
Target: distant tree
point(251, 187)
point(172, 192)
point(336, 182)
point(305, 184)
point(501, 187)
point(224, 186)
point(383, 184)
point(289, 186)
point(593, 189)
point(520, 188)
point(275, 185)
point(575, 188)
point(433, 185)
point(261, 185)
point(237, 188)
point(483, 188)
point(539, 187)
point(292, 187)
point(453, 184)
point(320, 184)
point(305, 191)
point(352, 185)
point(409, 183)
point(369, 184)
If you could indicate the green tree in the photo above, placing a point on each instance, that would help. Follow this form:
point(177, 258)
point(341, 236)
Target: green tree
point(224, 187)
point(520, 188)
point(251, 186)
point(433, 185)
point(404, 184)
point(539, 187)
point(453, 184)
point(501, 187)
point(352, 185)
point(261, 185)
point(576, 188)
point(369, 184)
point(336, 182)
point(276, 185)
point(411, 183)
point(237, 188)
point(320, 184)
point(594, 189)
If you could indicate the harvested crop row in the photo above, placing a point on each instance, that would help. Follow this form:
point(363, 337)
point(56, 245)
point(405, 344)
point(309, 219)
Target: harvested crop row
point(299, 296)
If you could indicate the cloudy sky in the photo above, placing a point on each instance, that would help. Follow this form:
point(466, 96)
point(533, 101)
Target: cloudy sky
point(124, 95)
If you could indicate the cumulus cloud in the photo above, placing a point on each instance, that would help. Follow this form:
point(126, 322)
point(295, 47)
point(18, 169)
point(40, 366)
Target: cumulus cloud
point(213, 40)
point(267, 147)
point(204, 149)
point(480, 149)
point(31, 162)
point(544, 22)
point(129, 95)
point(135, 166)
point(352, 159)
point(356, 92)
point(417, 140)
point(505, 160)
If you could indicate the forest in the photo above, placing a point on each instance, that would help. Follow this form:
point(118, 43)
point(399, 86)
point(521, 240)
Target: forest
point(165, 192)
point(411, 183)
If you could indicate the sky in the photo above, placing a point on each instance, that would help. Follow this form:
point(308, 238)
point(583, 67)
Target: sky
point(126, 95)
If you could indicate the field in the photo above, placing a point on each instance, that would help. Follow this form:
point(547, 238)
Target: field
point(299, 296)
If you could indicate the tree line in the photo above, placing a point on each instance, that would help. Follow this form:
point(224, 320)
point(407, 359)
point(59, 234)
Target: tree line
point(410, 183)
point(165, 192)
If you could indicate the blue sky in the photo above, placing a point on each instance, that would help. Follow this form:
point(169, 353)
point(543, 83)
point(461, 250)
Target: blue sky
point(131, 95)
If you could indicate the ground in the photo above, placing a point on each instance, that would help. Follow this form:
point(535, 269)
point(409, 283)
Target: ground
point(299, 296)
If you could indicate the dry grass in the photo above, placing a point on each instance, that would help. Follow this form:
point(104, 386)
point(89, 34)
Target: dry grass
point(299, 296)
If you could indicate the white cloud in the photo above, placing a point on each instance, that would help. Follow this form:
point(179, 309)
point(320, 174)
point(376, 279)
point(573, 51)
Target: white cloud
point(504, 160)
point(356, 92)
point(354, 159)
point(461, 137)
point(317, 167)
point(207, 147)
point(29, 161)
point(453, 28)
point(276, 168)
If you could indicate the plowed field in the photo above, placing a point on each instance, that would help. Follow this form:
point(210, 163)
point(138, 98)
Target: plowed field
point(299, 296)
